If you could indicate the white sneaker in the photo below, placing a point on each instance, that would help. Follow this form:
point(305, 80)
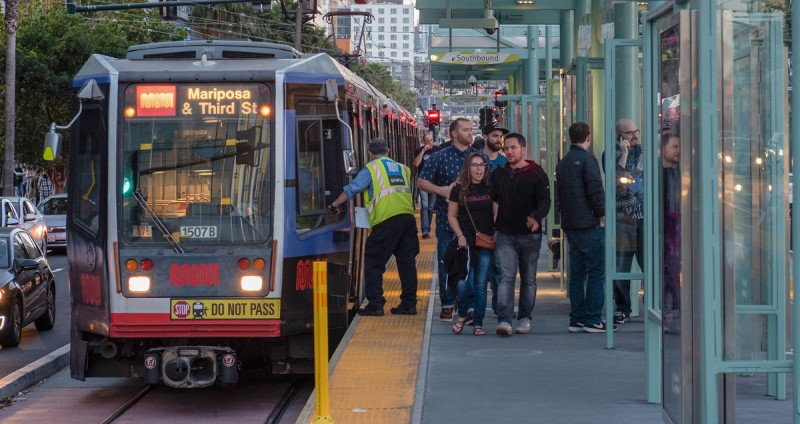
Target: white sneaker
point(504, 329)
point(524, 326)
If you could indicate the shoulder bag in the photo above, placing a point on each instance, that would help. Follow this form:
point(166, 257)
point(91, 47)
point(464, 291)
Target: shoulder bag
point(483, 241)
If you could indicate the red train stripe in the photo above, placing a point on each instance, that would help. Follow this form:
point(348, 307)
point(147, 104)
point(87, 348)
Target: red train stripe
point(160, 325)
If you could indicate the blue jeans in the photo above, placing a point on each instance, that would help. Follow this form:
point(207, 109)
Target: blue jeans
point(426, 201)
point(474, 287)
point(517, 251)
point(444, 235)
point(494, 277)
point(586, 274)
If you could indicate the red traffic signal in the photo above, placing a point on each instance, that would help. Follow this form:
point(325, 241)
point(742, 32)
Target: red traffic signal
point(433, 117)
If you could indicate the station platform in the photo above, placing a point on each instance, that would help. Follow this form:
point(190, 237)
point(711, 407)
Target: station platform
point(414, 369)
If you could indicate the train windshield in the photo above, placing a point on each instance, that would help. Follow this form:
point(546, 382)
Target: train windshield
point(196, 164)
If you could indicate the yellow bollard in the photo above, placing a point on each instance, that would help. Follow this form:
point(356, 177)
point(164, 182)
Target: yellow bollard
point(321, 342)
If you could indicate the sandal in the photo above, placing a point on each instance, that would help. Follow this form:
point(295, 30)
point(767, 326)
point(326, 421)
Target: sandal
point(478, 331)
point(458, 327)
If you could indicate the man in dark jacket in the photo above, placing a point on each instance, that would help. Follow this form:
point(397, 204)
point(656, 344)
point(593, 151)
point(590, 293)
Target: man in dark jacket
point(521, 190)
point(582, 202)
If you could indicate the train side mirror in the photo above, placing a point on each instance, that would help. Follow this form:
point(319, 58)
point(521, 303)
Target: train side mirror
point(52, 140)
point(52, 145)
point(349, 162)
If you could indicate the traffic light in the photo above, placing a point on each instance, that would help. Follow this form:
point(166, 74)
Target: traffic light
point(497, 102)
point(168, 13)
point(433, 119)
point(485, 116)
point(262, 6)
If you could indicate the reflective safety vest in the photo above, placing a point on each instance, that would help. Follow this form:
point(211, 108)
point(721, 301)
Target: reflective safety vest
point(391, 188)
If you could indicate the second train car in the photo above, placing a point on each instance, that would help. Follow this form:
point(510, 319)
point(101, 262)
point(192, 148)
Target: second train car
point(200, 175)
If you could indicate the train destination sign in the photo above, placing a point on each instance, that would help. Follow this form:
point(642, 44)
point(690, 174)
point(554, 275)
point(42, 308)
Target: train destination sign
point(196, 100)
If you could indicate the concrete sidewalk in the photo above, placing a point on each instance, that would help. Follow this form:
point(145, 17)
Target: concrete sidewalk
point(38, 370)
point(553, 376)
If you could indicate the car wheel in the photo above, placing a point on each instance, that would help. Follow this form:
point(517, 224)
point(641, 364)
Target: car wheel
point(48, 319)
point(12, 333)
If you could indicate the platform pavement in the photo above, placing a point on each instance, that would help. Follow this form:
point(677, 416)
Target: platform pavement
point(548, 376)
point(552, 376)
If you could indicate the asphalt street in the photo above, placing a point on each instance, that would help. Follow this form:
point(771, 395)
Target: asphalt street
point(34, 344)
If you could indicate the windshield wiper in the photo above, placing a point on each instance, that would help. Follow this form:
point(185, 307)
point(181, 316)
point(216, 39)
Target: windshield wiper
point(159, 223)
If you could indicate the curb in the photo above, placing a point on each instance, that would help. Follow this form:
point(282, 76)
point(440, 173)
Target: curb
point(40, 369)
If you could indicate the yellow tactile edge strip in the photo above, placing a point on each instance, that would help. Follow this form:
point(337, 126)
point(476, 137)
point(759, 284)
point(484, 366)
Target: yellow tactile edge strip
point(374, 369)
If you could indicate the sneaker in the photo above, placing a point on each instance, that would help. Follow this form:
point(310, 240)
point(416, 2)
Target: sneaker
point(600, 327)
point(504, 329)
point(447, 314)
point(524, 326)
point(371, 312)
point(621, 317)
point(470, 315)
point(426, 235)
point(575, 327)
point(404, 310)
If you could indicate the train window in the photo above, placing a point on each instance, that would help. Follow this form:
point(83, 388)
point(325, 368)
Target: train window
point(88, 173)
point(310, 168)
point(200, 173)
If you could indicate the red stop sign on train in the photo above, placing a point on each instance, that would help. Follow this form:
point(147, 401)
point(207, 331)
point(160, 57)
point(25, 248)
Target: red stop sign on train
point(182, 309)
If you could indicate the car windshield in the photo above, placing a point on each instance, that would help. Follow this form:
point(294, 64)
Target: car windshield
point(16, 208)
point(54, 206)
point(4, 252)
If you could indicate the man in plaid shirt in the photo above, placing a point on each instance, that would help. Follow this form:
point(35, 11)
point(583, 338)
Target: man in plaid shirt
point(45, 187)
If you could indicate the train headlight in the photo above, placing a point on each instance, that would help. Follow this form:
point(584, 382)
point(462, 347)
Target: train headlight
point(252, 283)
point(139, 284)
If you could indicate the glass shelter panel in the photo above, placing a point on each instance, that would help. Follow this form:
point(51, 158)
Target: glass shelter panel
point(753, 172)
point(674, 72)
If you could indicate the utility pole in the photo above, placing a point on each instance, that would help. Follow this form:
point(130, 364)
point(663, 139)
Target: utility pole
point(298, 26)
point(11, 21)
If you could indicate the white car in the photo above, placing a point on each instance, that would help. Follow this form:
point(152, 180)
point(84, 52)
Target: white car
point(20, 212)
point(54, 209)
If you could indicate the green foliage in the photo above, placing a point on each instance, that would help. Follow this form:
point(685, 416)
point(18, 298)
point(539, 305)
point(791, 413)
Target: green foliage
point(51, 48)
point(237, 20)
point(378, 75)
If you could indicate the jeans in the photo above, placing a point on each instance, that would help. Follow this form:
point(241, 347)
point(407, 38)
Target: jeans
point(444, 235)
point(426, 201)
point(395, 236)
point(515, 251)
point(475, 287)
point(494, 277)
point(586, 274)
point(622, 288)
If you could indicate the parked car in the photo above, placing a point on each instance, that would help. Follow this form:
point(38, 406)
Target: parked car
point(27, 286)
point(54, 209)
point(29, 218)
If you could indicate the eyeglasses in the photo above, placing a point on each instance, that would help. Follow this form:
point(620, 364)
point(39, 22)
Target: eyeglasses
point(634, 132)
point(478, 165)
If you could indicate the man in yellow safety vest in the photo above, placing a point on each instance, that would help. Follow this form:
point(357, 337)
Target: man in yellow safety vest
point(386, 185)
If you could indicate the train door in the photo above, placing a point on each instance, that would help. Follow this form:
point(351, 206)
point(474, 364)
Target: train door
point(359, 124)
point(86, 232)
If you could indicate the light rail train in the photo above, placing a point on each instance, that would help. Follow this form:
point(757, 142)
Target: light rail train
point(200, 176)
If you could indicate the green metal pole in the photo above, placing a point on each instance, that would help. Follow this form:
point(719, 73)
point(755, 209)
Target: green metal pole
point(73, 8)
point(794, 131)
point(708, 255)
point(548, 54)
point(567, 49)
